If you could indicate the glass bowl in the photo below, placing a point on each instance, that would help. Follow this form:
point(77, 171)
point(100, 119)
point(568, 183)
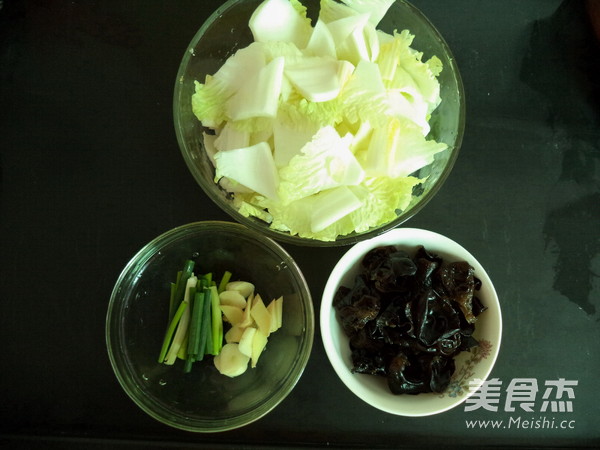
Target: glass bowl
point(226, 31)
point(472, 367)
point(203, 400)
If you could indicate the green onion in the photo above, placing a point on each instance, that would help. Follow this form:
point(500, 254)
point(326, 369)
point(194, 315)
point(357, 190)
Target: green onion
point(194, 331)
point(195, 326)
point(182, 327)
point(217, 322)
point(182, 353)
point(206, 322)
point(170, 330)
point(224, 280)
point(203, 333)
point(186, 273)
point(208, 277)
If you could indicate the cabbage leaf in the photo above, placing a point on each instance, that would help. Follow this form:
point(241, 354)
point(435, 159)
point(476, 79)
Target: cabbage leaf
point(323, 163)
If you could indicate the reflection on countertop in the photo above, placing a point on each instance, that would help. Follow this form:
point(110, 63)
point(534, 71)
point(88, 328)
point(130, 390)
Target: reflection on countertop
point(562, 65)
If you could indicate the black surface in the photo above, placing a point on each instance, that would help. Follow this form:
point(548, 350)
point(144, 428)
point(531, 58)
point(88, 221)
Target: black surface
point(91, 171)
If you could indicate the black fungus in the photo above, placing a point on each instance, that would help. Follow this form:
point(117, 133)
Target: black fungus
point(354, 317)
point(408, 317)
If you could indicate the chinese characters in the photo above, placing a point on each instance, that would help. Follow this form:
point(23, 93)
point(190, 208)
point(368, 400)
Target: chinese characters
point(522, 394)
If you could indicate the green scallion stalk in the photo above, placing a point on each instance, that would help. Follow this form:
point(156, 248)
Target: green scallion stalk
point(182, 353)
point(208, 277)
point(204, 328)
point(224, 280)
point(207, 322)
point(186, 273)
point(170, 330)
point(196, 330)
point(182, 327)
point(217, 322)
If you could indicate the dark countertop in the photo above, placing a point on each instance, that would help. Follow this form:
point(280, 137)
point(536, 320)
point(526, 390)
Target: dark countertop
point(91, 171)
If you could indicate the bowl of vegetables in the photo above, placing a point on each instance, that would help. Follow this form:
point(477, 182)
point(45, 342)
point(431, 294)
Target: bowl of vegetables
point(411, 322)
point(319, 123)
point(209, 326)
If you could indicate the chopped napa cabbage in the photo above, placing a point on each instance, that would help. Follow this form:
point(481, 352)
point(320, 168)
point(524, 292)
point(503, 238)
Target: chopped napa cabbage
point(233, 186)
point(243, 64)
point(371, 41)
point(332, 10)
point(391, 51)
point(252, 167)
point(210, 98)
point(331, 205)
point(319, 131)
point(319, 216)
point(350, 39)
point(398, 150)
point(247, 209)
point(259, 96)
point(288, 140)
point(410, 108)
point(323, 163)
point(280, 20)
point(353, 29)
point(208, 102)
point(375, 8)
point(435, 65)
point(413, 153)
point(321, 41)
point(230, 138)
point(403, 70)
point(262, 136)
point(209, 146)
point(362, 136)
point(380, 198)
point(296, 218)
point(274, 49)
point(297, 112)
point(345, 71)
point(364, 97)
point(316, 78)
point(383, 198)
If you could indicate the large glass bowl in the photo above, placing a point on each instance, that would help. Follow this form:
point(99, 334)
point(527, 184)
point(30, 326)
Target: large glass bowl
point(204, 400)
point(226, 31)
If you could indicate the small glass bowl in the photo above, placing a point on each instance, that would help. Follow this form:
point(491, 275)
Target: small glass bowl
point(226, 31)
point(204, 400)
point(472, 367)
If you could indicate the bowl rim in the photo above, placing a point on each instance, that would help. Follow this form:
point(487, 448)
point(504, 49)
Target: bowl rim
point(114, 342)
point(404, 237)
point(285, 237)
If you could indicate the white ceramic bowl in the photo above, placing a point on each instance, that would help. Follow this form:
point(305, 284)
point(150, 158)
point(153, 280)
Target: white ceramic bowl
point(472, 367)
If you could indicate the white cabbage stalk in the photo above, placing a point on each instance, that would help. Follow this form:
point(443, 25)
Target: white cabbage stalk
point(331, 205)
point(252, 167)
point(321, 42)
point(288, 140)
point(259, 96)
point(231, 138)
point(278, 20)
point(316, 78)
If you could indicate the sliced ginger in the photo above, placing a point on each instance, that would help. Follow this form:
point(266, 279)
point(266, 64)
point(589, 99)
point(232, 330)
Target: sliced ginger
point(251, 324)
